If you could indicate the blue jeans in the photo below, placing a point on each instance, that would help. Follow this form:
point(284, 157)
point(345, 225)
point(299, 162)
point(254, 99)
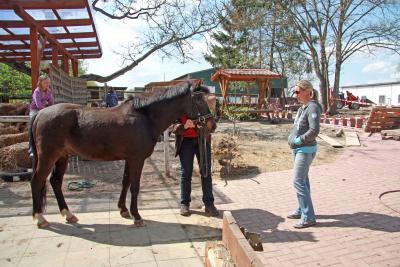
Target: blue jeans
point(188, 150)
point(302, 162)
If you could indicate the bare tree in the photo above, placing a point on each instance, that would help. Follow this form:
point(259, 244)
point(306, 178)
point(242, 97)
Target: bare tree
point(334, 30)
point(172, 24)
point(363, 26)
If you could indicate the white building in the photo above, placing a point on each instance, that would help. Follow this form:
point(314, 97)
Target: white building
point(379, 93)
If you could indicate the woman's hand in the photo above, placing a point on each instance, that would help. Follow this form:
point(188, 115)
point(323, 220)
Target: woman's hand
point(189, 124)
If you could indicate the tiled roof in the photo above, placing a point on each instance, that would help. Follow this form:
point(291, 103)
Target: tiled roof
point(249, 72)
point(244, 74)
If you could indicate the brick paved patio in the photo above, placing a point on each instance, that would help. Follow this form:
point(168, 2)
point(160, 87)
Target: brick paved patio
point(354, 228)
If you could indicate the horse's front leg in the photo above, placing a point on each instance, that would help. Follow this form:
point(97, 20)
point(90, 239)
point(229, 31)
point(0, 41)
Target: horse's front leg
point(126, 182)
point(56, 181)
point(135, 171)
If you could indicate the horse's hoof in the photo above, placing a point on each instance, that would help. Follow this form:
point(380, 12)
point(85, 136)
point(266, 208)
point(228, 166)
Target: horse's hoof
point(125, 214)
point(43, 224)
point(139, 223)
point(72, 219)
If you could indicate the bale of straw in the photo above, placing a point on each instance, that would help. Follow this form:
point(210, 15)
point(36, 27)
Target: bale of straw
point(10, 139)
point(9, 130)
point(7, 109)
point(15, 157)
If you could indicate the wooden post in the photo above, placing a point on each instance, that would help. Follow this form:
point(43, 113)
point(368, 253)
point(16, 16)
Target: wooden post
point(74, 67)
point(33, 36)
point(262, 85)
point(65, 65)
point(223, 83)
point(54, 56)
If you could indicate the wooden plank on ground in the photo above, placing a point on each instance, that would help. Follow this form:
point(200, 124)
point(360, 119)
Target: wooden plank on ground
point(330, 141)
point(351, 139)
point(14, 118)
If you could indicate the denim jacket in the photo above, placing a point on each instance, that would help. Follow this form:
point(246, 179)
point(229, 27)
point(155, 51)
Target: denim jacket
point(306, 125)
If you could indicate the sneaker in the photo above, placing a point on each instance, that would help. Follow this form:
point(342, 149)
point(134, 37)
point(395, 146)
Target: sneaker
point(212, 211)
point(31, 155)
point(301, 225)
point(293, 216)
point(185, 211)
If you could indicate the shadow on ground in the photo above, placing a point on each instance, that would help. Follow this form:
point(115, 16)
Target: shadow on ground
point(266, 224)
point(366, 220)
point(154, 232)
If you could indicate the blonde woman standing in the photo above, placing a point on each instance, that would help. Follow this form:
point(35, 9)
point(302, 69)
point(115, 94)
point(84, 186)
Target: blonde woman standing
point(304, 147)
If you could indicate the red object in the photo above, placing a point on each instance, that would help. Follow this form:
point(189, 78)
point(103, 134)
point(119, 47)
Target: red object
point(344, 121)
point(335, 121)
point(352, 121)
point(352, 101)
point(359, 122)
point(190, 132)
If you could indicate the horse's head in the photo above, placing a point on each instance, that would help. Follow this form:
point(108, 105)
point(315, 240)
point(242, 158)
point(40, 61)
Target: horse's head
point(199, 110)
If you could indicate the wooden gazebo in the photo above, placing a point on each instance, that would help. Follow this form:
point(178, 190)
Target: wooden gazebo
point(261, 76)
point(54, 30)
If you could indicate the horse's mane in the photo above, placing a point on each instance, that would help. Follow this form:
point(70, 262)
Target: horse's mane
point(146, 99)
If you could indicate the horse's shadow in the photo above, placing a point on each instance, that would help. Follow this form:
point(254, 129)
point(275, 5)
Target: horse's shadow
point(154, 232)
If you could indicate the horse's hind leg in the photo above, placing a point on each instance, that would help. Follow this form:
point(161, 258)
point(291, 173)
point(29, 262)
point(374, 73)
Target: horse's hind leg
point(56, 181)
point(38, 187)
point(135, 171)
point(126, 182)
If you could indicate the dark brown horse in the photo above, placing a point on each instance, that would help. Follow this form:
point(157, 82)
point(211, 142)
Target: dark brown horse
point(127, 132)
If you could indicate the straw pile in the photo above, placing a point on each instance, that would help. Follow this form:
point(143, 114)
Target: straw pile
point(7, 109)
point(8, 129)
point(15, 157)
point(10, 139)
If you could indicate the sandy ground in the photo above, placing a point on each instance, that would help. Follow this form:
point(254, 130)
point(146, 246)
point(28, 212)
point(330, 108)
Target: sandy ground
point(263, 148)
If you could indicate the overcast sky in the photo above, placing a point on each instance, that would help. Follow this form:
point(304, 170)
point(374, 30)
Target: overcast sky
point(361, 69)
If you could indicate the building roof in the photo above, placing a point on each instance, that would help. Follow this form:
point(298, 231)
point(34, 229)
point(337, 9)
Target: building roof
point(244, 74)
point(167, 84)
point(65, 25)
point(371, 84)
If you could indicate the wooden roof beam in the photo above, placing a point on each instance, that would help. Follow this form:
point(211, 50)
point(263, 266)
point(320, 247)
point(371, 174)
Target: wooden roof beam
point(47, 23)
point(20, 37)
point(66, 45)
point(31, 22)
point(43, 4)
point(94, 27)
point(48, 57)
point(74, 52)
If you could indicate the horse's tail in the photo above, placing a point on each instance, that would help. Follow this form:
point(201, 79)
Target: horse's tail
point(33, 143)
point(35, 159)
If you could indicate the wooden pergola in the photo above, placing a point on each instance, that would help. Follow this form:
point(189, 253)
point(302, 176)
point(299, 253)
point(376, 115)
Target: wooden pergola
point(35, 30)
point(261, 76)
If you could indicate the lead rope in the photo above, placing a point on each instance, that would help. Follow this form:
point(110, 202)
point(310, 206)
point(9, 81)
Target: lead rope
point(203, 155)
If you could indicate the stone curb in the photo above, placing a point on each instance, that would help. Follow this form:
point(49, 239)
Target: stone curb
point(241, 252)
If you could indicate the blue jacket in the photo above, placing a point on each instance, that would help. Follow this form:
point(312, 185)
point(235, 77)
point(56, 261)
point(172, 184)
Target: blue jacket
point(111, 99)
point(306, 126)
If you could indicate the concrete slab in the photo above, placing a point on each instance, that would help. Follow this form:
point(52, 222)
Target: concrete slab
point(106, 239)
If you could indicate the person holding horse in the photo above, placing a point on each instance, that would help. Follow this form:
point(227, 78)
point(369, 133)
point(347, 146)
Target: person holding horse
point(304, 147)
point(187, 145)
point(42, 97)
point(111, 98)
